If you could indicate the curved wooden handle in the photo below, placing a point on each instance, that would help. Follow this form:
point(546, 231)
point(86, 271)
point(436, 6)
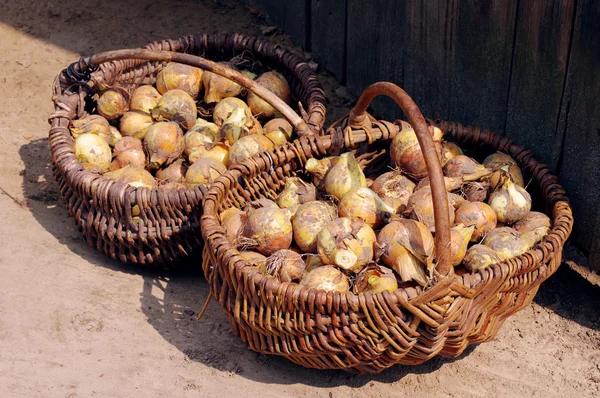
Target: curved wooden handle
point(434, 167)
point(93, 61)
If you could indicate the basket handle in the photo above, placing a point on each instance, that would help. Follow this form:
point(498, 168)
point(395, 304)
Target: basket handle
point(434, 168)
point(80, 70)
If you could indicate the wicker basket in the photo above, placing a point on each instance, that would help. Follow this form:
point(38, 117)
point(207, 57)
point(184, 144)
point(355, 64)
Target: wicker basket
point(168, 226)
point(369, 332)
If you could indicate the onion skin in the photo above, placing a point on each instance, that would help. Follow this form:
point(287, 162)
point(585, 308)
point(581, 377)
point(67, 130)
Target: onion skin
point(405, 153)
point(144, 98)
point(217, 87)
point(248, 146)
point(256, 260)
point(499, 160)
point(375, 279)
point(239, 125)
point(135, 124)
point(479, 257)
point(326, 278)
point(114, 137)
point(113, 103)
point(365, 204)
point(233, 221)
point(92, 124)
point(533, 227)
point(261, 203)
point(277, 138)
point(275, 83)
point(92, 149)
point(224, 108)
point(394, 189)
point(318, 168)
point(220, 153)
point(163, 143)
point(464, 167)
point(478, 215)
point(476, 191)
point(279, 125)
point(203, 171)
point(420, 208)
point(510, 202)
point(296, 192)
point(175, 172)
point(180, 76)
point(460, 237)
point(270, 228)
point(505, 242)
point(176, 186)
point(176, 106)
point(312, 262)
point(134, 177)
point(344, 175)
point(202, 134)
point(286, 265)
point(450, 150)
point(308, 220)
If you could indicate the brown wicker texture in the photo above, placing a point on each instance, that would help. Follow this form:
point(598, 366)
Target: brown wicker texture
point(167, 229)
point(370, 332)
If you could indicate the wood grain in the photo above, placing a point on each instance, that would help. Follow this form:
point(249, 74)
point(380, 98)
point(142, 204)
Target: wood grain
point(328, 35)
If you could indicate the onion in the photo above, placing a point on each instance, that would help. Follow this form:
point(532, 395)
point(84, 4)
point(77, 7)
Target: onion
point(375, 279)
point(279, 125)
point(248, 146)
point(92, 149)
point(202, 133)
point(394, 189)
point(177, 106)
point(164, 144)
point(505, 242)
point(365, 204)
point(450, 150)
point(308, 220)
point(92, 124)
point(239, 125)
point(277, 138)
point(459, 240)
point(256, 260)
point(261, 203)
point(420, 207)
point(464, 167)
point(112, 104)
point(225, 107)
point(203, 171)
point(344, 175)
point(510, 202)
point(233, 221)
point(220, 153)
point(499, 160)
point(114, 137)
point(135, 124)
point(144, 98)
point(180, 76)
point(270, 229)
point(478, 215)
point(346, 243)
point(296, 192)
point(533, 227)
point(176, 186)
point(286, 265)
point(405, 153)
point(326, 278)
point(175, 172)
point(479, 257)
point(217, 87)
point(135, 177)
point(319, 168)
point(312, 261)
point(129, 152)
point(275, 83)
point(476, 191)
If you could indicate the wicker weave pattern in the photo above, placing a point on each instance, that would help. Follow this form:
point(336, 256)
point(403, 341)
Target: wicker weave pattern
point(167, 229)
point(370, 332)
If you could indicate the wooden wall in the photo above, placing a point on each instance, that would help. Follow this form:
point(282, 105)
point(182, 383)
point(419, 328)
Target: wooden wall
point(529, 69)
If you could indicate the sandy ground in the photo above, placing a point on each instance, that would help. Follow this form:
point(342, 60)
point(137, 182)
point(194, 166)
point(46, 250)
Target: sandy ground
point(76, 324)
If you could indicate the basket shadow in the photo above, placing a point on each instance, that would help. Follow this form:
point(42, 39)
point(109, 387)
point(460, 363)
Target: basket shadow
point(171, 302)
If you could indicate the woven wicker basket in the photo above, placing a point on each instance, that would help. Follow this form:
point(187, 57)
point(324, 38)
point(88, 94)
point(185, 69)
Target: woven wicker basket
point(369, 332)
point(168, 226)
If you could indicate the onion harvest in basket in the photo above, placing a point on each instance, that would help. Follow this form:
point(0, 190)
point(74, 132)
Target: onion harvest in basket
point(333, 229)
point(182, 132)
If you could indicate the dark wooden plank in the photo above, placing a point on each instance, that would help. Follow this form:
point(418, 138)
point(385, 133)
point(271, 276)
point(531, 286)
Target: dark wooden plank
point(272, 10)
point(538, 76)
point(375, 48)
point(580, 166)
point(296, 20)
point(328, 35)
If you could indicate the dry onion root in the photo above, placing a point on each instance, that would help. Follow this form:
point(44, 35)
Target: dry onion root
point(479, 215)
point(326, 278)
point(163, 143)
point(278, 85)
point(176, 106)
point(269, 229)
point(180, 76)
point(308, 220)
point(479, 257)
point(375, 279)
point(394, 189)
point(364, 204)
point(286, 265)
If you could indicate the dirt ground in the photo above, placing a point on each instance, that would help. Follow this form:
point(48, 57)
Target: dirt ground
point(73, 323)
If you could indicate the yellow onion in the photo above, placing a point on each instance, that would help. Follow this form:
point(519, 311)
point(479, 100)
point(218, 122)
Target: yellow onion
point(260, 203)
point(92, 168)
point(144, 99)
point(456, 200)
point(256, 260)
point(203, 171)
point(129, 152)
point(312, 261)
point(420, 208)
point(478, 215)
point(499, 160)
point(296, 192)
point(510, 202)
point(318, 169)
point(249, 74)
point(464, 167)
point(112, 104)
point(220, 153)
point(406, 246)
point(204, 134)
point(533, 227)
point(233, 221)
point(365, 204)
point(405, 153)
point(248, 146)
point(164, 144)
point(175, 172)
point(344, 175)
point(476, 191)
point(239, 125)
point(279, 125)
point(92, 124)
point(346, 243)
point(115, 136)
point(394, 189)
point(505, 242)
point(92, 149)
point(450, 150)
point(135, 124)
point(326, 278)
point(276, 137)
point(460, 237)
point(180, 76)
point(225, 107)
point(286, 265)
point(270, 229)
point(308, 220)
point(136, 177)
point(479, 257)
point(275, 83)
point(176, 106)
point(217, 87)
point(176, 186)
point(375, 279)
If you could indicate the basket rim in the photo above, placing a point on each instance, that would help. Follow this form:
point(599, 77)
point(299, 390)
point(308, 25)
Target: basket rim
point(218, 241)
